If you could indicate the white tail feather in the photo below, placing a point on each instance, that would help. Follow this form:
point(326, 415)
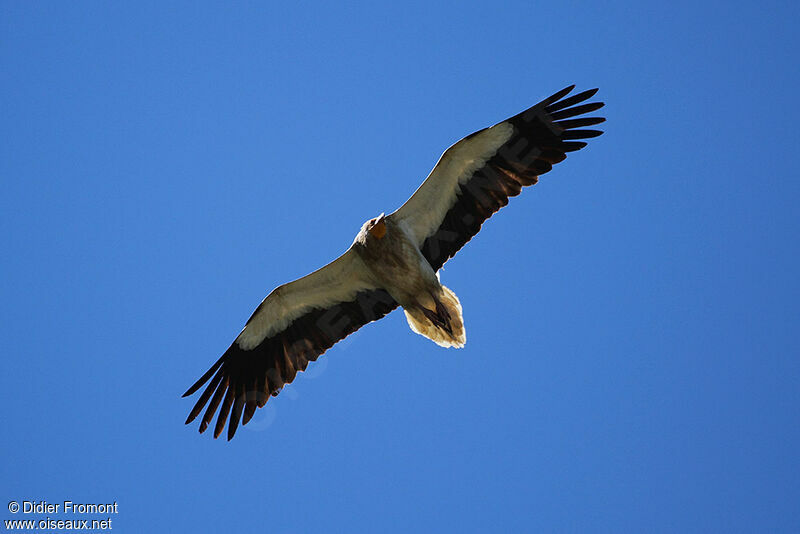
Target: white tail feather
point(423, 326)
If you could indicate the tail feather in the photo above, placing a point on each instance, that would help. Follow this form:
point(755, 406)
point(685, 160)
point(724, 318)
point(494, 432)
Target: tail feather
point(445, 325)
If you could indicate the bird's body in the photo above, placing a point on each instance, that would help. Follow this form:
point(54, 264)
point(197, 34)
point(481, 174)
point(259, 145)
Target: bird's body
point(393, 261)
point(399, 267)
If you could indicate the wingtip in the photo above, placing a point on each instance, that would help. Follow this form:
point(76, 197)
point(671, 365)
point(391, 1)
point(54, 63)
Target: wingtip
point(555, 97)
point(193, 389)
point(248, 414)
point(232, 429)
point(580, 134)
point(207, 375)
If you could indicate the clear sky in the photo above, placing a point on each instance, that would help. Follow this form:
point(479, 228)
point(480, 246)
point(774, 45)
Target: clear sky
point(632, 363)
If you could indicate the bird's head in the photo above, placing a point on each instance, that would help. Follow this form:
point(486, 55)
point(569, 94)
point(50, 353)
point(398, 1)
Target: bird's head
point(377, 226)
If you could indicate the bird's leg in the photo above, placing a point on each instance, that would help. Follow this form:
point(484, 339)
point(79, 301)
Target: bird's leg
point(425, 300)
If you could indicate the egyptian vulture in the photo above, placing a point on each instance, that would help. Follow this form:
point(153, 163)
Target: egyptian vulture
point(394, 260)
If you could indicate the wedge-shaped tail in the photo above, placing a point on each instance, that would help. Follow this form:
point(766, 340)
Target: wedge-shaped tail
point(444, 325)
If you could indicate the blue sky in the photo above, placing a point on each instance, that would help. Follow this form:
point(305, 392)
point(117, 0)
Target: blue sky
point(632, 363)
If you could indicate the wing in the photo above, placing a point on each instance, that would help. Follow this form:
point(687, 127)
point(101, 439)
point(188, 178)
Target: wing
point(475, 177)
point(296, 323)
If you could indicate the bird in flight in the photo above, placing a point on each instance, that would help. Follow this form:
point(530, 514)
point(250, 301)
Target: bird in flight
point(394, 260)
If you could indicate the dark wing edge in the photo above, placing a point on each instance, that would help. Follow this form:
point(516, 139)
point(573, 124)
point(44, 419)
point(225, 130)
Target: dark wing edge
point(542, 136)
point(243, 380)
